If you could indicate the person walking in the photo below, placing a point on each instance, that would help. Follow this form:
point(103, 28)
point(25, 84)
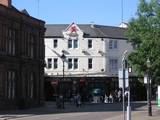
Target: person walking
point(119, 96)
point(78, 100)
point(110, 98)
point(106, 99)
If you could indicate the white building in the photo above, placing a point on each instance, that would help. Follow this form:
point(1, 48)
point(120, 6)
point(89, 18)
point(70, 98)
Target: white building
point(92, 51)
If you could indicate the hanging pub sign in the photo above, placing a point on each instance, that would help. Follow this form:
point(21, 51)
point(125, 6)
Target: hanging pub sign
point(54, 82)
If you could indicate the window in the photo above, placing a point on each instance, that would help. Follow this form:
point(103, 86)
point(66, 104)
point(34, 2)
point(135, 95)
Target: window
point(31, 84)
point(11, 39)
point(11, 85)
point(1, 83)
point(69, 43)
point(69, 63)
point(113, 64)
point(55, 63)
point(89, 43)
point(113, 44)
point(75, 63)
point(90, 63)
point(3, 37)
point(75, 43)
point(72, 63)
point(55, 43)
point(49, 63)
point(31, 46)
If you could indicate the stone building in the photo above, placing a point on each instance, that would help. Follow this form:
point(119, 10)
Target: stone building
point(21, 58)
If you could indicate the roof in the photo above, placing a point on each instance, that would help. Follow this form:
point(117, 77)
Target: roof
point(90, 31)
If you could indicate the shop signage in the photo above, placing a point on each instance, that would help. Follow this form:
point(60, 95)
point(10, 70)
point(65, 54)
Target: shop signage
point(54, 82)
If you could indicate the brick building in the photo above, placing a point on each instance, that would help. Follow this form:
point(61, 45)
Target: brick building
point(21, 57)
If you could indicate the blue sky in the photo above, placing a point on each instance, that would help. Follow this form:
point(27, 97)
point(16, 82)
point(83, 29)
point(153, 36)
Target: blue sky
point(103, 12)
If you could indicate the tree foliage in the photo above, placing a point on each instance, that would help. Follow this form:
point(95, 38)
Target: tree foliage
point(144, 34)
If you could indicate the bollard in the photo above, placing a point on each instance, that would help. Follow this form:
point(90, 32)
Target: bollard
point(128, 113)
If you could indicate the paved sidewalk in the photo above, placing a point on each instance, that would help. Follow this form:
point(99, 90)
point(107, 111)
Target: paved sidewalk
point(139, 113)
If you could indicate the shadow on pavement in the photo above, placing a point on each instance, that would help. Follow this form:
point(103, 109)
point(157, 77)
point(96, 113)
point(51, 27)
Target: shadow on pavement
point(50, 108)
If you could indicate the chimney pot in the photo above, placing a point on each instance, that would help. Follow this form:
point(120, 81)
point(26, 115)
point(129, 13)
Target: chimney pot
point(6, 3)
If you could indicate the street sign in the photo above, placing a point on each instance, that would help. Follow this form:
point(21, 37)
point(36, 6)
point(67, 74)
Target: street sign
point(145, 79)
point(120, 76)
point(158, 96)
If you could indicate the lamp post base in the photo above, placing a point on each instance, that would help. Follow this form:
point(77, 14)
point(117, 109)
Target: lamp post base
point(149, 110)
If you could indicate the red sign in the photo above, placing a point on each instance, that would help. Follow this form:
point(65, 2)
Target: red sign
point(55, 82)
point(73, 29)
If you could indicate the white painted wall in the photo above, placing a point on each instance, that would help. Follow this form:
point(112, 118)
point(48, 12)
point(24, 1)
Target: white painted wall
point(100, 54)
point(117, 54)
point(98, 58)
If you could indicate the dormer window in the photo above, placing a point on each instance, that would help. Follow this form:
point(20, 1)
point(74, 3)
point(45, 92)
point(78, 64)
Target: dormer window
point(73, 43)
point(69, 43)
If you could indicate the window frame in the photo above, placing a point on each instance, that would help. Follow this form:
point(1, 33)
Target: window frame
point(70, 43)
point(90, 63)
point(75, 43)
point(113, 44)
point(75, 63)
point(55, 43)
point(113, 65)
point(49, 63)
point(55, 63)
point(70, 65)
point(90, 43)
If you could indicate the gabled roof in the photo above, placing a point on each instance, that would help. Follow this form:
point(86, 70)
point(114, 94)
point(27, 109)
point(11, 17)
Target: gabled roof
point(90, 31)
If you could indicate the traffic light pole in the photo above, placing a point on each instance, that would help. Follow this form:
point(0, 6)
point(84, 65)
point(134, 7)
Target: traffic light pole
point(123, 89)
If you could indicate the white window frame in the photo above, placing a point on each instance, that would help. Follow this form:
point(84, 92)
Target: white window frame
point(55, 43)
point(113, 44)
point(90, 43)
point(75, 63)
point(49, 63)
point(55, 63)
point(113, 65)
point(90, 63)
point(75, 43)
point(70, 65)
point(72, 43)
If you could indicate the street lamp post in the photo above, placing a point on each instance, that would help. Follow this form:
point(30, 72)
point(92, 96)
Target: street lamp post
point(149, 89)
point(124, 84)
point(63, 57)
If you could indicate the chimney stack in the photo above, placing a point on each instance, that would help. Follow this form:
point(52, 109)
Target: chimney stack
point(6, 3)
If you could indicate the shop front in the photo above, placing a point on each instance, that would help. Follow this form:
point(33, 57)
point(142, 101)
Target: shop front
point(78, 85)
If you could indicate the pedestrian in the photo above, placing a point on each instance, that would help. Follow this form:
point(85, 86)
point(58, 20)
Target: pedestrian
point(119, 95)
point(78, 100)
point(110, 98)
point(60, 102)
point(106, 99)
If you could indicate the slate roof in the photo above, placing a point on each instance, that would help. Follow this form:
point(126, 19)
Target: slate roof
point(90, 31)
